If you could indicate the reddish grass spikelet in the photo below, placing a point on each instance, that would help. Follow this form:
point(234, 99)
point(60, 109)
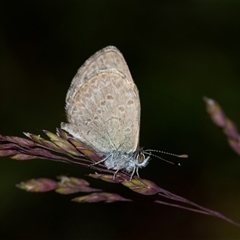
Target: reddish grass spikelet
point(229, 129)
point(38, 185)
point(100, 197)
point(69, 185)
point(63, 148)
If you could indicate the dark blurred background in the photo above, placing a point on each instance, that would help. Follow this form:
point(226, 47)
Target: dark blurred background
point(177, 53)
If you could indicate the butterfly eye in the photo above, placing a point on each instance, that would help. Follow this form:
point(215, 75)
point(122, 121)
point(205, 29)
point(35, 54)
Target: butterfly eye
point(141, 157)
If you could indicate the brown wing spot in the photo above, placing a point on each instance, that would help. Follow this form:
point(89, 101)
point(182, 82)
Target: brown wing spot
point(130, 102)
point(128, 130)
point(87, 121)
point(121, 109)
point(96, 117)
point(88, 132)
point(99, 111)
point(109, 97)
point(103, 102)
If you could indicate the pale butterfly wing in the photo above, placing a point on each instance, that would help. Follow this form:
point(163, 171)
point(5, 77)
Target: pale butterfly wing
point(102, 104)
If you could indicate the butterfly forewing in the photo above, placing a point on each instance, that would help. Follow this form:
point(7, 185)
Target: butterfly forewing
point(102, 104)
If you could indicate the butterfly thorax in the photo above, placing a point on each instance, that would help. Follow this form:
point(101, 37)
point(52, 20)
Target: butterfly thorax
point(127, 161)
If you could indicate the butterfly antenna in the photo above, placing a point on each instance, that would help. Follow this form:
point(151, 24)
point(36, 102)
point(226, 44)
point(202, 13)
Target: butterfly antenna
point(149, 152)
point(167, 153)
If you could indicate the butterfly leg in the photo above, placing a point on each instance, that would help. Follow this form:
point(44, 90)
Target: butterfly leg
point(134, 170)
point(101, 161)
point(114, 175)
point(137, 172)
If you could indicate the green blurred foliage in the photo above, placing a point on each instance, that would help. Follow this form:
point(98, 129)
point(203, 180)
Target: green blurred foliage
point(177, 53)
